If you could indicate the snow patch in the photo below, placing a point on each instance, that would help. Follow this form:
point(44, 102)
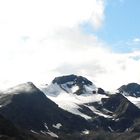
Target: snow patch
point(134, 100)
point(85, 132)
point(46, 126)
point(52, 134)
point(98, 112)
point(74, 88)
point(66, 86)
point(116, 120)
point(43, 132)
point(110, 129)
point(34, 132)
point(90, 88)
point(51, 90)
point(57, 126)
point(69, 101)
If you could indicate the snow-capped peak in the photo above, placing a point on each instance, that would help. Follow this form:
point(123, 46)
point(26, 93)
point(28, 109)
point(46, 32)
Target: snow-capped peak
point(72, 80)
point(132, 92)
point(131, 89)
point(71, 92)
point(74, 84)
point(26, 87)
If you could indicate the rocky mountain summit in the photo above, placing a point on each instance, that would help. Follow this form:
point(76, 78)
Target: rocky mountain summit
point(70, 105)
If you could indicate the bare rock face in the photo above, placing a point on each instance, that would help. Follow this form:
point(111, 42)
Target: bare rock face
point(71, 107)
point(131, 89)
point(28, 107)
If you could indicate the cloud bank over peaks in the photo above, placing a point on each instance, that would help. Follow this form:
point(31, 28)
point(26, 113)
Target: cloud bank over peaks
point(42, 39)
point(32, 37)
point(91, 57)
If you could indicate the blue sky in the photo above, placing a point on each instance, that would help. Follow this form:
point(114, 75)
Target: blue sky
point(121, 25)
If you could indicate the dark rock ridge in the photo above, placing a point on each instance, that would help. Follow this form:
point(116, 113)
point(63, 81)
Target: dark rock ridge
point(8, 131)
point(101, 91)
point(116, 114)
point(27, 107)
point(7, 128)
point(124, 113)
point(69, 81)
point(72, 78)
point(131, 89)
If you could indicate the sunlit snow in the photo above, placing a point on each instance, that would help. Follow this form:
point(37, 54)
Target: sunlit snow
point(134, 100)
point(66, 99)
point(57, 126)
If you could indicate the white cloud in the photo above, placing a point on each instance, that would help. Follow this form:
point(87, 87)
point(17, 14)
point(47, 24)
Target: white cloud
point(89, 56)
point(105, 68)
point(41, 39)
point(38, 17)
point(30, 45)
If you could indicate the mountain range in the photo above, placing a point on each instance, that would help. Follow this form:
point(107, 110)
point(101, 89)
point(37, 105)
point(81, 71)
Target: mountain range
point(71, 107)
